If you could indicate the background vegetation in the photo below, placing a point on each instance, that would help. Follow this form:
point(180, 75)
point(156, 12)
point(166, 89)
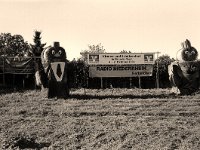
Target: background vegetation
point(15, 45)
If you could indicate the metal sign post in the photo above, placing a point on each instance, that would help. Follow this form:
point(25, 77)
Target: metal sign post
point(4, 82)
point(101, 83)
point(139, 82)
point(157, 72)
point(130, 82)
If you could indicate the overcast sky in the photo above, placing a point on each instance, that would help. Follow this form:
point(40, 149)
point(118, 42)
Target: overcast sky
point(132, 25)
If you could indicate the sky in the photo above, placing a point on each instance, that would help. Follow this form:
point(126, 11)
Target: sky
point(132, 25)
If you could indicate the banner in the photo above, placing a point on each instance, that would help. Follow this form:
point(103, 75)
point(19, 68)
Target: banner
point(15, 66)
point(121, 71)
point(120, 58)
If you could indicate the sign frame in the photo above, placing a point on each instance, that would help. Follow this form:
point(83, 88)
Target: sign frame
point(120, 58)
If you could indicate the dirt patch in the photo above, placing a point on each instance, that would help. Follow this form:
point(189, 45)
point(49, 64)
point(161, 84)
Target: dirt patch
point(105, 119)
point(21, 141)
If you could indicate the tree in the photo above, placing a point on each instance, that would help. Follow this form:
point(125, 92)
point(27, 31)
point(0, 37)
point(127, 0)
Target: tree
point(96, 48)
point(13, 45)
point(38, 47)
point(92, 49)
point(161, 65)
point(125, 51)
point(82, 69)
point(163, 62)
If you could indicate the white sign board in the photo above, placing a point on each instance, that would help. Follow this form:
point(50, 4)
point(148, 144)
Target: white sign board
point(121, 58)
point(121, 71)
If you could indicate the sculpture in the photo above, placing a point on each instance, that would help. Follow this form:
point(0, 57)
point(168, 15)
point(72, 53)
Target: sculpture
point(184, 72)
point(55, 64)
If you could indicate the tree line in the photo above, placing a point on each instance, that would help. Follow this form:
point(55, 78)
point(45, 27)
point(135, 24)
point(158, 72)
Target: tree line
point(78, 70)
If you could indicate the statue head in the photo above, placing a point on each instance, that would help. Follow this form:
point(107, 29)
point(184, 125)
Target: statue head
point(188, 52)
point(55, 53)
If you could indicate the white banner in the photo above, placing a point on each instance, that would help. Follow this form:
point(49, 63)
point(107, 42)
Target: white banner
point(121, 58)
point(121, 71)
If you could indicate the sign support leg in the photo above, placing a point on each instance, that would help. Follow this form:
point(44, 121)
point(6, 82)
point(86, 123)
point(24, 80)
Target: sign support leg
point(130, 79)
point(157, 72)
point(4, 83)
point(139, 82)
point(101, 83)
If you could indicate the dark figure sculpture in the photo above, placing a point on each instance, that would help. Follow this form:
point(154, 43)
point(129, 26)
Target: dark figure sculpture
point(184, 73)
point(55, 64)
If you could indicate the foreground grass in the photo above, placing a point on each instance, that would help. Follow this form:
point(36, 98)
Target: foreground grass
point(107, 119)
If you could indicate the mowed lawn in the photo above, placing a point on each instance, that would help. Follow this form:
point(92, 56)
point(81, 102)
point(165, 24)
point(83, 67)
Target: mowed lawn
point(108, 119)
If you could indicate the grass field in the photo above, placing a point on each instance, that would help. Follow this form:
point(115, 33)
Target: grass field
point(109, 119)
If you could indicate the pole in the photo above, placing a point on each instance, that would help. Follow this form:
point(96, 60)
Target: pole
point(4, 71)
point(130, 79)
point(14, 81)
point(101, 83)
point(139, 82)
point(157, 73)
point(34, 59)
point(87, 82)
point(23, 81)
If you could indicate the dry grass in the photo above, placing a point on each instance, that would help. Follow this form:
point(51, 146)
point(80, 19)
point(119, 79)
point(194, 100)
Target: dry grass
point(118, 119)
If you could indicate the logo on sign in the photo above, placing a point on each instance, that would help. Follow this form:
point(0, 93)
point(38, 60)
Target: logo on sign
point(148, 57)
point(93, 58)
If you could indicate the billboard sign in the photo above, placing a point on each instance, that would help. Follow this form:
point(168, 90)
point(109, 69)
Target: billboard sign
point(121, 58)
point(121, 71)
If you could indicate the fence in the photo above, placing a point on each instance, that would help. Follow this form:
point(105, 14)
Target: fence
point(16, 69)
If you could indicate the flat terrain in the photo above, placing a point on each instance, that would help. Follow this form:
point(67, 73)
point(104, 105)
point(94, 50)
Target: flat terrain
point(109, 119)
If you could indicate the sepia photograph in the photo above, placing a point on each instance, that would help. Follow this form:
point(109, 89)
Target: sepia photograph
point(99, 75)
